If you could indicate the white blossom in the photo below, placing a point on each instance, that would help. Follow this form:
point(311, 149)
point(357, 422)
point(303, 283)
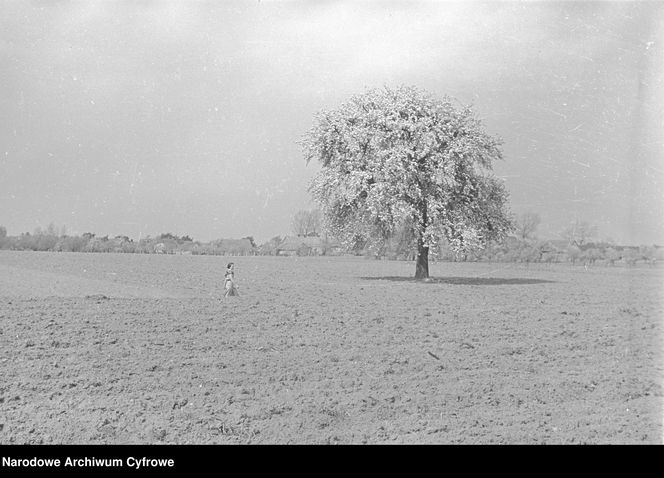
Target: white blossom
point(399, 156)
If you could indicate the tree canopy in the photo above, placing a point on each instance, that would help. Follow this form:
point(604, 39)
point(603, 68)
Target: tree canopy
point(526, 225)
point(306, 223)
point(400, 157)
point(579, 232)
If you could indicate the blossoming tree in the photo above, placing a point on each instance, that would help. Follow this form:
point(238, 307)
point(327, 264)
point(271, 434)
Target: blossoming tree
point(395, 158)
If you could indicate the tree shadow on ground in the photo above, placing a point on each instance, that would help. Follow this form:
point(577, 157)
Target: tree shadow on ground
point(463, 280)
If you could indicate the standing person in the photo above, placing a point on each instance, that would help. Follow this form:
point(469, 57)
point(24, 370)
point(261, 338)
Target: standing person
point(229, 281)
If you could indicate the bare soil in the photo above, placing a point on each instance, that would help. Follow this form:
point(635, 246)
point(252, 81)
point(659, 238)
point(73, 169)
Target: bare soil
point(130, 349)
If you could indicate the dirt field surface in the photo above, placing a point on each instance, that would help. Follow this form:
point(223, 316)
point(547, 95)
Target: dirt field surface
point(129, 349)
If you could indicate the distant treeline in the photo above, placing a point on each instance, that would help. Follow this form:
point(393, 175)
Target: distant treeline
point(513, 249)
point(525, 249)
point(578, 245)
point(54, 239)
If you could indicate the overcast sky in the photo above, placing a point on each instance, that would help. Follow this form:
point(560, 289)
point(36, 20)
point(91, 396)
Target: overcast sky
point(142, 117)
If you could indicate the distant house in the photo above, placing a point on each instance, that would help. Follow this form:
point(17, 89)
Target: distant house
point(307, 246)
point(332, 246)
point(166, 246)
point(298, 245)
point(234, 247)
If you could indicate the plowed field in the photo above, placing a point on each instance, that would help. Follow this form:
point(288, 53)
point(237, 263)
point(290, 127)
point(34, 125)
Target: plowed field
point(128, 349)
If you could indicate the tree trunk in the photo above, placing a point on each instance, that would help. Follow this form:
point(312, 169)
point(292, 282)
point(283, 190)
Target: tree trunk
point(422, 264)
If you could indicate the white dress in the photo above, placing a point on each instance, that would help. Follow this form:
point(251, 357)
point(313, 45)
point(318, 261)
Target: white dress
point(229, 285)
